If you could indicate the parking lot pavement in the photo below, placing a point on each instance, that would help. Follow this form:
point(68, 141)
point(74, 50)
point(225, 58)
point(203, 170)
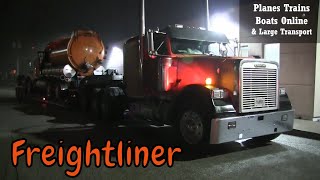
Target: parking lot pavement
point(307, 125)
point(291, 156)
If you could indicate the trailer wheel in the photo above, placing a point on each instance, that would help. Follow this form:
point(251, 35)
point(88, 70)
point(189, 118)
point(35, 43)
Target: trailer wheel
point(83, 100)
point(57, 92)
point(193, 126)
point(20, 94)
point(105, 106)
point(95, 111)
point(20, 89)
point(112, 107)
point(264, 139)
point(49, 90)
point(28, 87)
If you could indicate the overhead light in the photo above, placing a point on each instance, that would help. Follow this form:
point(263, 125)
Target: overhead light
point(221, 22)
point(115, 59)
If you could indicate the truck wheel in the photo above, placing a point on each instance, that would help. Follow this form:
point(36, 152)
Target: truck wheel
point(265, 139)
point(105, 106)
point(95, 112)
point(112, 107)
point(193, 127)
point(83, 100)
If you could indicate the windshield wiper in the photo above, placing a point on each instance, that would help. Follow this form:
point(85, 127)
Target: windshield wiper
point(159, 46)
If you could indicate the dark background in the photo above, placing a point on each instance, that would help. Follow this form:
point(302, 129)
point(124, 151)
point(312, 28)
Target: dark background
point(32, 24)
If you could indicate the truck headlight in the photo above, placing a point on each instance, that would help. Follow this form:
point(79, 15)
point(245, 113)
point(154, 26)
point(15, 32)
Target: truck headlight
point(282, 91)
point(219, 93)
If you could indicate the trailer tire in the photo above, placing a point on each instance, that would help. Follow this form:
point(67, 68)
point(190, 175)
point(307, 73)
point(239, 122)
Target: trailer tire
point(28, 87)
point(112, 105)
point(83, 100)
point(49, 90)
point(108, 112)
point(95, 111)
point(20, 94)
point(20, 89)
point(57, 92)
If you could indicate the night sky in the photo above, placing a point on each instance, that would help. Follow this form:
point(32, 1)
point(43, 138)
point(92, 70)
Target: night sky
point(36, 22)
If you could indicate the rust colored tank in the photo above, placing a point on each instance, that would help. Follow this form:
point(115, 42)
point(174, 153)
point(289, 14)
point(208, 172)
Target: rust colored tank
point(84, 51)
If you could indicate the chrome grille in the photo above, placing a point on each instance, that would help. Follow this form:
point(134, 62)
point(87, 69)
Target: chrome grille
point(259, 87)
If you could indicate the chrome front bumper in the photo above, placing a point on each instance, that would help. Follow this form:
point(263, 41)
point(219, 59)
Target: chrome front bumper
point(244, 127)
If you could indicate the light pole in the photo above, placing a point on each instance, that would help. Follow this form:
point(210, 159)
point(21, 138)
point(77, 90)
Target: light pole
point(208, 14)
point(16, 44)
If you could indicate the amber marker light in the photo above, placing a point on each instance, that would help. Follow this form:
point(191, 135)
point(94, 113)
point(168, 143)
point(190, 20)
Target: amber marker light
point(209, 83)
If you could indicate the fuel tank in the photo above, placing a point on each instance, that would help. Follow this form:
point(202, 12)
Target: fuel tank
point(84, 51)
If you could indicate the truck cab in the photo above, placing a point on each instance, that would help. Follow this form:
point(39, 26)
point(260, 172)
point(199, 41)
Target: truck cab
point(184, 78)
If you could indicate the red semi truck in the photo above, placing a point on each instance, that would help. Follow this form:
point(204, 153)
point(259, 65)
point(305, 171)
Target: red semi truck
point(178, 76)
point(207, 97)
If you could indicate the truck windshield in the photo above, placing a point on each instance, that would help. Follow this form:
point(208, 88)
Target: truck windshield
point(193, 47)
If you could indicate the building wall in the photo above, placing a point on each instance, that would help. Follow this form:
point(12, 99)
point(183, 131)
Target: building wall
point(316, 113)
point(255, 49)
point(297, 75)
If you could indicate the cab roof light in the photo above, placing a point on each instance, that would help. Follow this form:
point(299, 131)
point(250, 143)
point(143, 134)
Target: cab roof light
point(178, 25)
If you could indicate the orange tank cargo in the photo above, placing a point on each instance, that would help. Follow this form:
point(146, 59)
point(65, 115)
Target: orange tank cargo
point(84, 51)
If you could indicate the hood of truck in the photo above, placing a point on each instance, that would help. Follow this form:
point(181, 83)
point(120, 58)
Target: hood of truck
point(195, 69)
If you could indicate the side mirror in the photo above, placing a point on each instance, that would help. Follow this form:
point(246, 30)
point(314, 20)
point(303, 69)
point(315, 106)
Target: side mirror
point(151, 50)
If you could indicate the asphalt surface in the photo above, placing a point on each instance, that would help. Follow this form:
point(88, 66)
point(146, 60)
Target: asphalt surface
point(291, 156)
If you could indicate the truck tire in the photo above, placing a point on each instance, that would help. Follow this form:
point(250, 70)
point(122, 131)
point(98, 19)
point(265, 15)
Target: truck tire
point(83, 100)
point(95, 111)
point(112, 107)
point(193, 126)
point(105, 107)
point(264, 139)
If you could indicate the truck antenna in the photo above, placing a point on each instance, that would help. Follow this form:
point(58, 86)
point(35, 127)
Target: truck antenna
point(208, 14)
point(142, 33)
